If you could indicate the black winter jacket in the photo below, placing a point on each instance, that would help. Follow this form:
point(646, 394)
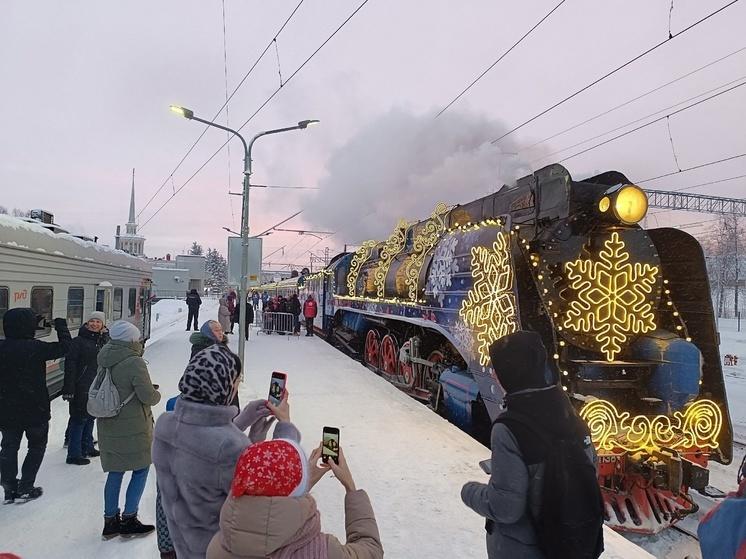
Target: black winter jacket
point(294, 307)
point(24, 400)
point(81, 368)
point(193, 301)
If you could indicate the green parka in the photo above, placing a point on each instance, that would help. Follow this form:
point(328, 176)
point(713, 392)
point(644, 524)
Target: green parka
point(125, 439)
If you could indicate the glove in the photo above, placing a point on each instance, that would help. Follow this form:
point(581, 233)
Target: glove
point(60, 324)
point(68, 397)
point(260, 428)
point(251, 413)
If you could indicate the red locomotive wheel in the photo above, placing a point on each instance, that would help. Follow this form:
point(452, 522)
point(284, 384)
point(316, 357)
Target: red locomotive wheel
point(436, 356)
point(389, 355)
point(406, 370)
point(372, 354)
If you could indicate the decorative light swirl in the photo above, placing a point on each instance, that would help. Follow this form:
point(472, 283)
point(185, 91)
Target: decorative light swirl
point(393, 246)
point(361, 255)
point(423, 243)
point(697, 426)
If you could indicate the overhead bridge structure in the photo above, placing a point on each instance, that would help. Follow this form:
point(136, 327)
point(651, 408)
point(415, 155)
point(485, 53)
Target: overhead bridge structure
point(696, 203)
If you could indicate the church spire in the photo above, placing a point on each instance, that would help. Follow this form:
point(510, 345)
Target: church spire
point(132, 199)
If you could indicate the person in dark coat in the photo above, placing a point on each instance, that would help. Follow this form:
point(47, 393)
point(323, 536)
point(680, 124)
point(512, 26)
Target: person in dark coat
point(80, 371)
point(236, 317)
point(309, 313)
point(231, 300)
point(193, 302)
point(24, 400)
point(513, 497)
point(294, 308)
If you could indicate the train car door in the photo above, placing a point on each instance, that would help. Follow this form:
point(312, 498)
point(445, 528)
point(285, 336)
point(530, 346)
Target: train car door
point(145, 304)
point(103, 299)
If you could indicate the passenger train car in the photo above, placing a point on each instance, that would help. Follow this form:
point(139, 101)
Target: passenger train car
point(625, 314)
point(59, 275)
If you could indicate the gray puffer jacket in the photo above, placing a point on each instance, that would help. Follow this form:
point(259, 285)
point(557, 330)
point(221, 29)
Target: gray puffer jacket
point(513, 493)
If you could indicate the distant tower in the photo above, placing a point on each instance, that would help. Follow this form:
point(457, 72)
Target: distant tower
point(131, 242)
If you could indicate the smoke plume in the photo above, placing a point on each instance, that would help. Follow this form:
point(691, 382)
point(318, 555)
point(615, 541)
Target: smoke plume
point(401, 165)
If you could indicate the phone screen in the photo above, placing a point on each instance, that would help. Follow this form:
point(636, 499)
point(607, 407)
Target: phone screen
point(277, 388)
point(330, 444)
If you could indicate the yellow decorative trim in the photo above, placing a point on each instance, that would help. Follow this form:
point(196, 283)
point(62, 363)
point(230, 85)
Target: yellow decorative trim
point(393, 246)
point(613, 297)
point(697, 426)
point(423, 243)
point(361, 255)
point(490, 304)
point(390, 300)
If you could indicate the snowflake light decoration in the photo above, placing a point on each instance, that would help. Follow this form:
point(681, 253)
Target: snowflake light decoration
point(489, 307)
point(443, 266)
point(613, 297)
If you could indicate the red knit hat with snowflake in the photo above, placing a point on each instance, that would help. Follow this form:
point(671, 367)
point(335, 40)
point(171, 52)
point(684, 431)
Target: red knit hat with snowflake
point(277, 468)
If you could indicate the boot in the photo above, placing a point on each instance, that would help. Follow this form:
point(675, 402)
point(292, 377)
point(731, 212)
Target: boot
point(10, 496)
point(112, 526)
point(92, 453)
point(168, 555)
point(79, 461)
point(26, 495)
point(131, 527)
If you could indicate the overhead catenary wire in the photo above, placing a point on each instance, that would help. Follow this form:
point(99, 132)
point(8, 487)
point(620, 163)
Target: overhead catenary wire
point(256, 112)
point(227, 116)
point(701, 166)
point(664, 117)
point(220, 110)
point(614, 71)
point(503, 55)
point(637, 98)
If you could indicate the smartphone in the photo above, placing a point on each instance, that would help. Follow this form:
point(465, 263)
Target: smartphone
point(277, 387)
point(330, 444)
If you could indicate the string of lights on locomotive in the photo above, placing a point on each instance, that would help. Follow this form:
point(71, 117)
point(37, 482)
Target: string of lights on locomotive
point(625, 314)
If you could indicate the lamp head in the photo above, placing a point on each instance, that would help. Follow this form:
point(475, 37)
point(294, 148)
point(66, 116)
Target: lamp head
point(183, 111)
point(626, 203)
point(306, 123)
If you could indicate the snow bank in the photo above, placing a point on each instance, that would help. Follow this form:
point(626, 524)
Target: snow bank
point(733, 342)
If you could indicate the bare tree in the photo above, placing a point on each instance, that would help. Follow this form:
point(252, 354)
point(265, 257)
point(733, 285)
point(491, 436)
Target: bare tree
point(725, 250)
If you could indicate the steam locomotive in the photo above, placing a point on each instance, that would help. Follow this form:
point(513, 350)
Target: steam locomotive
point(625, 313)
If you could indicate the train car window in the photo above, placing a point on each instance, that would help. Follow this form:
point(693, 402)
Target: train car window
point(100, 299)
point(3, 307)
point(74, 306)
point(117, 303)
point(132, 301)
point(41, 304)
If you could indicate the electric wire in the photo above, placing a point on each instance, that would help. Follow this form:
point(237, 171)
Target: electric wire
point(503, 55)
point(641, 96)
point(227, 116)
point(664, 117)
point(256, 112)
point(217, 114)
point(725, 159)
point(614, 71)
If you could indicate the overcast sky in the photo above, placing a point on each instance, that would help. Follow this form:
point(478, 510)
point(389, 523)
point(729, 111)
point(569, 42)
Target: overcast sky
point(86, 87)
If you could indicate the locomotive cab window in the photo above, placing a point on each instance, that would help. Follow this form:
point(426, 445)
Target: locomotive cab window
point(3, 308)
point(117, 303)
point(41, 304)
point(74, 306)
point(132, 301)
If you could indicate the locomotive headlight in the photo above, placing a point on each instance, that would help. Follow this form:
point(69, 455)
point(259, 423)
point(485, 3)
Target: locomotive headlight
point(630, 204)
point(626, 203)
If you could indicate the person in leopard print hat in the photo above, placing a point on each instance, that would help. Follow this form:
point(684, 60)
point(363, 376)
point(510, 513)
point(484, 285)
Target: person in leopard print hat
point(196, 446)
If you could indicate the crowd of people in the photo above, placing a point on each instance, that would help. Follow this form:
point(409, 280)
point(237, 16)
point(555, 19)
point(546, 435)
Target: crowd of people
point(226, 492)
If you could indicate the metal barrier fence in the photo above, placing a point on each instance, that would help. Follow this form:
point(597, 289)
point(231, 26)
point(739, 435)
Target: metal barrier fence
point(279, 322)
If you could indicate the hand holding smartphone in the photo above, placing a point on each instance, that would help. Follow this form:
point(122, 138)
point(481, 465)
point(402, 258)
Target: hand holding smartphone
point(277, 388)
point(330, 444)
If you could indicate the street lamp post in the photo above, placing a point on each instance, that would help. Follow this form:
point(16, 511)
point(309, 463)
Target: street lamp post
point(244, 288)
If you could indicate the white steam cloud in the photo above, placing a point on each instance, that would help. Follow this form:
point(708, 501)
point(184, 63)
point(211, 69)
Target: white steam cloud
point(402, 164)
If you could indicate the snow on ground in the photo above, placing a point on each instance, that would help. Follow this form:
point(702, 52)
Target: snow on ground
point(167, 314)
point(733, 342)
point(412, 462)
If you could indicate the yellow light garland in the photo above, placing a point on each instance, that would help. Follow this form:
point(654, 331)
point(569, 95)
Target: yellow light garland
point(423, 243)
point(697, 426)
point(393, 246)
point(613, 297)
point(490, 306)
point(361, 255)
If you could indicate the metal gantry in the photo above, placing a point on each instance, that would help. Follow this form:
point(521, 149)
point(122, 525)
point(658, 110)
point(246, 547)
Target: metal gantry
point(696, 203)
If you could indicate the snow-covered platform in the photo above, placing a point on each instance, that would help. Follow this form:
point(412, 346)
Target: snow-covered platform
point(412, 462)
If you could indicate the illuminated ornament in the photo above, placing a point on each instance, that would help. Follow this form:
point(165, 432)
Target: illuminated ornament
point(393, 246)
point(697, 426)
point(361, 255)
point(613, 297)
point(489, 307)
point(422, 244)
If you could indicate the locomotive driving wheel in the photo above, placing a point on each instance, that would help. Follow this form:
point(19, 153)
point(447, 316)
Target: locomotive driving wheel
point(389, 355)
point(406, 370)
point(372, 353)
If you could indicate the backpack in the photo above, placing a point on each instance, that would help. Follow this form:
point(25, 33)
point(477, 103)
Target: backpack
point(570, 521)
point(722, 532)
point(103, 396)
